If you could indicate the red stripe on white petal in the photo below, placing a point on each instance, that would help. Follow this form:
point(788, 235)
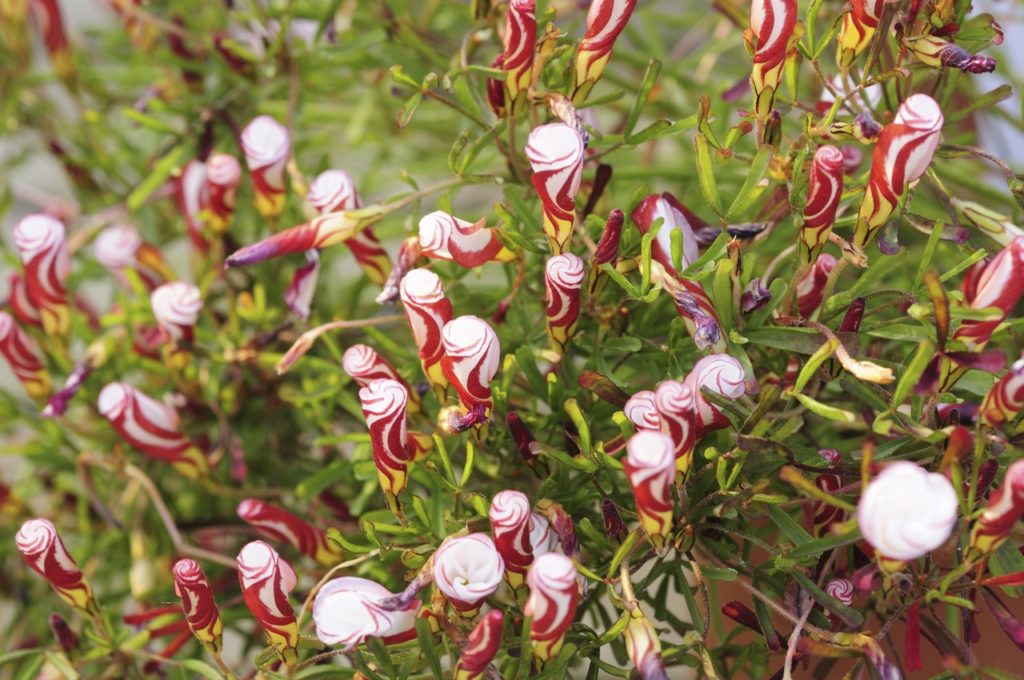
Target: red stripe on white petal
point(510, 516)
point(472, 356)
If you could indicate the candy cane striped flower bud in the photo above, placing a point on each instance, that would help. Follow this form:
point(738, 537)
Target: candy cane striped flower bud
point(556, 154)
point(428, 310)
point(44, 552)
point(188, 193)
point(823, 193)
point(650, 464)
point(364, 365)
point(644, 647)
point(220, 192)
point(552, 603)
point(674, 217)
point(47, 17)
point(520, 38)
point(935, 51)
point(858, 28)
point(384, 406)
point(1006, 398)
point(348, 610)
point(176, 306)
point(468, 244)
point(510, 516)
point(22, 308)
point(1000, 284)
point(24, 358)
point(810, 290)
point(772, 22)
point(277, 524)
point(642, 412)
point(605, 22)
point(466, 570)
point(267, 146)
point(542, 538)
point(718, 373)
point(902, 154)
point(121, 247)
point(496, 88)
point(906, 512)
point(674, 403)
point(335, 191)
point(481, 647)
point(607, 250)
point(321, 232)
point(41, 243)
point(471, 359)
point(266, 580)
point(198, 603)
point(1005, 507)
point(563, 283)
point(841, 589)
point(151, 427)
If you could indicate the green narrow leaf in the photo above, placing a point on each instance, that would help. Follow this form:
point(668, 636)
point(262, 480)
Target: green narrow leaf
point(478, 145)
point(427, 648)
point(748, 192)
point(706, 173)
point(929, 252)
point(814, 362)
point(156, 179)
point(408, 109)
point(789, 526)
point(456, 150)
point(912, 373)
point(723, 294)
point(823, 410)
point(202, 668)
point(650, 76)
point(820, 545)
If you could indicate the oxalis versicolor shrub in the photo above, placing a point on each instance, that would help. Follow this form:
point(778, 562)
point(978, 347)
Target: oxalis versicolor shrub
point(617, 383)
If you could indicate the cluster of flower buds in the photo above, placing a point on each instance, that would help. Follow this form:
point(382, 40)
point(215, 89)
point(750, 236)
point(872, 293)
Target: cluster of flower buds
point(906, 512)
point(934, 51)
point(552, 603)
point(998, 283)
point(772, 23)
point(824, 190)
point(511, 522)
point(267, 146)
point(810, 289)
point(556, 154)
point(859, 26)
point(1005, 398)
point(902, 154)
point(151, 427)
point(335, 191)
point(428, 310)
point(467, 569)
point(43, 550)
point(42, 245)
point(24, 358)
point(517, 59)
point(1005, 507)
point(198, 603)
point(46, 15)
point(650, 464)
point(471, 359)
point(384, 406)
point(481, 647)
point(605, 21)
point(349, 610)
point(278, 524)
point(563, 283)
point(176, 306)
point(468, 244)
point(644, 647)
point(266, 581)
point(120, 247)
point(363, 364)
point(219, 195)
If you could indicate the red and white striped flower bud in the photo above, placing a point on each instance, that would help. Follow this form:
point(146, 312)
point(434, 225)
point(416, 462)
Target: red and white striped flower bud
point(277, 524)
point(510, 516)
point(858, 28)
point(467, 569)
point(906, 512)
point(824, 190)
point(674, 403)
point(1005, 507)
point(468, 244)
point(810, 290)
point(266, 580)
point(820, 514)
point(364, 365)
point(220, 192)
point(552, 603)
point(481, 647)
point(674, 217)
point(335, 191)
point(267, 146)
point(384, 406)
point(151, 427)
point(1006, 398)
point(496, 88)
point(642, 412)
point(22, 308)
point(605, 21)
point(24, 358)
point(542, 538)
point(348, 610)
point(934, 51)
point(650, 464)
point(772, 22)
point(198, 603)
point(563, 283)
point(644, 647)
point(471, 359)
point(42, 246)
point(520, 38)
point(842, 589)
point(428, 310)
point(321, 232)
point(1000, 284)
point(43, 551)
point(46, 15)
point(121, 247)
point(176, 306)
point(188, 193)
point(902, 154)
point(718, 373)
point(299, 295)
point(607, 250)
point(556, 154)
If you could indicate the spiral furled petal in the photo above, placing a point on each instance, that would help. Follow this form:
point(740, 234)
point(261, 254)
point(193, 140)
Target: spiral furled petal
point(1005, 508)
point(468, 244)
point(552, 603)
point(906, 512)
point(556, 154)
point(650, 464)
point(384, 406)
point(43, 550)
point(198, 603)
point(605, 22)
point(299, 295)
point(348, 610)
point(220, 192)
point(858, 28)
point(510, 516)
point(471, 359)
point(642, 412)
point(841, 589)
point(428, 310)
point(364, 365)
point(674, 217)
point(481, 647)
point(176, 306)
point(644, 647)
point(563, 283)
point(520, 38)
point(121, 247)
point(335, 191)
point(674, 403)
point(467, 569)
point(277, 524)
point(22, 308)
point(266, 580)
point(1000, 284)
point(1006, 398)
point(267, 146)
point(151, 427)
point(902, 154)
point(42, 246)
point(721, 374)
point(542, 538)
point(24, 358)
point(810, 290)
point(824, 190)
point(772, 22)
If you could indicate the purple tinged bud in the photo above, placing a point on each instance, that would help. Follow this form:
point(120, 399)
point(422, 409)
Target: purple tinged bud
point(614, 527)
point(521, 436)
point(889, 242)
point(608, 247)
point(66, 638)
point(830, 455)
point(869, 129)
point(1011, 625)
point(854, 315)
point(58, 403)
point(755, 296)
